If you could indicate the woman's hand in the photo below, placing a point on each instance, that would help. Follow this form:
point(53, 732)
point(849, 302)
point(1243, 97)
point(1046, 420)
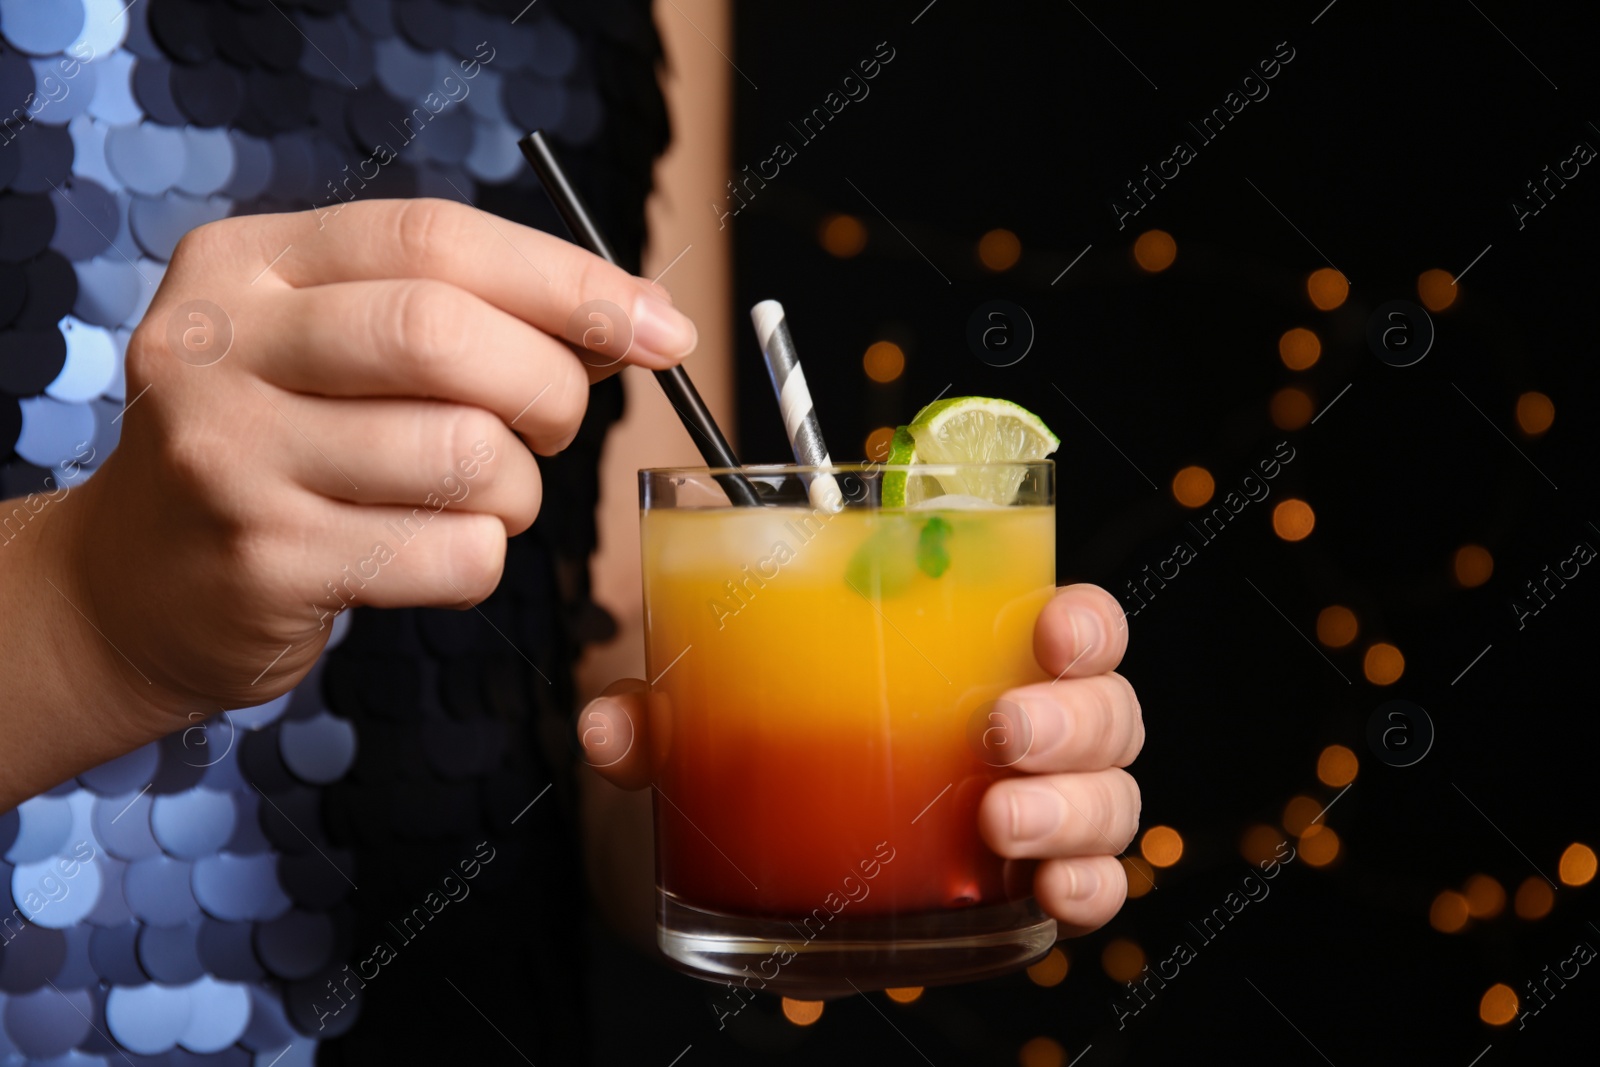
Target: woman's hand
point(326, 411)
point(1074, 808)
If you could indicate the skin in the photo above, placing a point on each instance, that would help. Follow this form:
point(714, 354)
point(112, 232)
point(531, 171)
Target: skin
point(1073, 809)
point(372, 354)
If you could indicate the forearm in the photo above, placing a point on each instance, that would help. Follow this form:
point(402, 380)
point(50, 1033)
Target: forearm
point(64, 705)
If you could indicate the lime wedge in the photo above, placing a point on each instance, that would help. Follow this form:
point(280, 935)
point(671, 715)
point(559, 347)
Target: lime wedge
point(902, 450)
point(977, 429)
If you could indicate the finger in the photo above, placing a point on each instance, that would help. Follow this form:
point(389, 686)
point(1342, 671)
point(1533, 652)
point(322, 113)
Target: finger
point(533, 275)
point(1055, 815)
point(1079, 724)
point(1081, 631)
point(421, 453)
point(375, 556)
point(611, 729)
point(1081, 894)
point(424, 338)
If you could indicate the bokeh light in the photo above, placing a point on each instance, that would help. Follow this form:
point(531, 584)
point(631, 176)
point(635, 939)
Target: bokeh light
point(1534, 898)
point(1122, 959)
point(1259, 844)
point(904, 994)
point(1299, 348)
point(1499, 1005)
point(1319, 846)
point(1327, 288)
point(1577, 864)
point(1042, 1052)
point(802, 1012)
point(1193, 486)
point(1448, 913)
point(883, 361)
point(1473, 565)
point(1535, 413)
point(843, 235)
point(1486, 898)
point(1337, 766)
point(1141, 876)
point(1298, 813)
point(1162, 846)
point(1291, 408)
point(1155, 250)
point(1293, 519)
point(1383, 664)
point(878, 442)
point(1336, 626)
point(1436, 289)
point(1051, 970)
point(999, 250)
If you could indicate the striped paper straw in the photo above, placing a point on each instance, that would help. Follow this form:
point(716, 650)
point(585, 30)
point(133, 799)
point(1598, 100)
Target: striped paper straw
point(794, 401)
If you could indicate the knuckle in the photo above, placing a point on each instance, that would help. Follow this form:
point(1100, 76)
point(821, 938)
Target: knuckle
point(424, 226)
point(569, 396)
point(426, 326)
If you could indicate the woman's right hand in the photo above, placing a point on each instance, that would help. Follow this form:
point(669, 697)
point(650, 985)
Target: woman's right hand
point(323, 411)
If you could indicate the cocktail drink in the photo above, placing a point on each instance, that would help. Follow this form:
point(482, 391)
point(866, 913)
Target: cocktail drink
point(825, 718)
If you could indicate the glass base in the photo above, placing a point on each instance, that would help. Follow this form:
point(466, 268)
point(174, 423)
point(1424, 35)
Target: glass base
point(852, 955)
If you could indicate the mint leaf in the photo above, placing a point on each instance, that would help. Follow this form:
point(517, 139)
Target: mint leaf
point(932, 556)
point(884, 565)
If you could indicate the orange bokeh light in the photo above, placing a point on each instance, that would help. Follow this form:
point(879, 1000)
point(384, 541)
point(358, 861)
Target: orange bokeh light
point(1299, 348)
point(1499, 1005)
point(1141, 876)
point(1298, 813)
point(1319, 846)
point(1122, 959)
point(1293, 519)
point(1327, 288)
point(1155, 250)
point(1436, 289)
point(883, 361)
point(1534, 898)
point(1051, 970)
point(1290, 408)
point(1383, 664)
point(1259, 844)
point(1486, 898)
point(1162, 846)
point(1473, 565)
point(878, 442)
point(1193, 486)
point(1336, 626)
point(1535, 413)
point(999, 250)
point(843, 235)
point(1577, 864)
point(1448, 913)
point(802, 1012)
point(1337, 766)
point(1042, 1052)
point(904, 994)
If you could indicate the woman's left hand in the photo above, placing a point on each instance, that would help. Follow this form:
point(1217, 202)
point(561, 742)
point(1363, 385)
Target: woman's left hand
point(1074, 808)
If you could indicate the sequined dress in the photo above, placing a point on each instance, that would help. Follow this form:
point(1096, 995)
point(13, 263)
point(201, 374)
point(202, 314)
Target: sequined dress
point(373, 866)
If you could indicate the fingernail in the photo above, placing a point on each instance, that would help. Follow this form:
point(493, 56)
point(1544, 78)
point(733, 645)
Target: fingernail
point(1033, 815)
point(1085, 881)
point(655, 287)
point(1087, 631)
point(661, 329)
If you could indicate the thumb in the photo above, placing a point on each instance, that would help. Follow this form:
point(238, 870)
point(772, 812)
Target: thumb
point(612, 732)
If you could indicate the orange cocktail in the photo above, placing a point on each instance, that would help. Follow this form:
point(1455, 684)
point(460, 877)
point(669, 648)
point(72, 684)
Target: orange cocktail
point(824, 726)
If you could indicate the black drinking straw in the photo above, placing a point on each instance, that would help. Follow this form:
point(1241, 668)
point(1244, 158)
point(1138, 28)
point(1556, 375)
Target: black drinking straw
point(681, 393)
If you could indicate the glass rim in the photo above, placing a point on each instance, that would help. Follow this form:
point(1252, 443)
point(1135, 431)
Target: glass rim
point(770, 470)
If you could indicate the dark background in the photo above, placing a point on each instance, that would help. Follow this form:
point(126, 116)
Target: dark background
point(1395, 141)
